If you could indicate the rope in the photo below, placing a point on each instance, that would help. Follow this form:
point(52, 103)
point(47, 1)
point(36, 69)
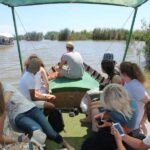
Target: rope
point(24, 28)
point(122, 27)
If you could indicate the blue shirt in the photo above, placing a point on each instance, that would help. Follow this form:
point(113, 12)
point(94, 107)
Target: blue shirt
point(124, 121)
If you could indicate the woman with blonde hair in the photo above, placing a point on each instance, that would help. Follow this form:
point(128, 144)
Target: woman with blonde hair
point(41, 77)
point(115, 107)
point(27, 85)
point(134, 84)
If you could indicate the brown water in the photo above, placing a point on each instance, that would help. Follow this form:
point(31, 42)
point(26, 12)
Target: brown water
point(51, 51)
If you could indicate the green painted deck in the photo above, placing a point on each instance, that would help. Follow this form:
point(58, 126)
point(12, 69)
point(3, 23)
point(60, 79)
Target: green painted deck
point(64, 84)
point(75, 134)
point(69, 92)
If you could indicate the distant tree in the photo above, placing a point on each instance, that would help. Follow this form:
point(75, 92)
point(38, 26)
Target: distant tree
point(138, 35)
point(109, 34)
point(64, 35)
point(96, 34)
point(33, 36)
point(52, 35)
point(147, 44)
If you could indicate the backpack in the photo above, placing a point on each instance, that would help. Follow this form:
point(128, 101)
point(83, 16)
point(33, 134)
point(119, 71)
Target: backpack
point(55, 118)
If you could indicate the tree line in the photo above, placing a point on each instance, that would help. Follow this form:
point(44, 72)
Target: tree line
point(96, 34)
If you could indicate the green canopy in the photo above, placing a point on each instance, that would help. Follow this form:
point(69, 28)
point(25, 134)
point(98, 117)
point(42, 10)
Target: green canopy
point(128, 3)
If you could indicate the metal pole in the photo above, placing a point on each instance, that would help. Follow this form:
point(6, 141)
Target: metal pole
point(17, 39)
point(130, 34)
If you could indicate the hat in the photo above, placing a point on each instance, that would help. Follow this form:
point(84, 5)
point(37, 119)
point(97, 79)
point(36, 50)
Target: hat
point(69, 44)
point(108, 56)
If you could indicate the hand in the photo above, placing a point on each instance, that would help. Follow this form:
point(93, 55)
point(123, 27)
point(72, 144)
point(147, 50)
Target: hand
point(99, 116)
point(105, 124)
point(104, 117)
point(23, 138)
point(50, 97)
point(116, 134)
point(95, 104)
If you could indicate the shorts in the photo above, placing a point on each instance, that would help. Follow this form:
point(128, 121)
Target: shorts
point(65, 73)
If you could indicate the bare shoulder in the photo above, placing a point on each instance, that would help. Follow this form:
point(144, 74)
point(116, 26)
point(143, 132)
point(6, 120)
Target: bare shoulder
point(116, 79)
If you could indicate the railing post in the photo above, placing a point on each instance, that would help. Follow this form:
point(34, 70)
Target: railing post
point(130, 34)
point(17, 39)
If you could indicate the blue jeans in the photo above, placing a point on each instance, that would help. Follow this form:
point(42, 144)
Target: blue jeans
point(33, 120)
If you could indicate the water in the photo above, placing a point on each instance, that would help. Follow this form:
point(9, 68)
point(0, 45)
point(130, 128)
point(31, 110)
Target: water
point(51, 51)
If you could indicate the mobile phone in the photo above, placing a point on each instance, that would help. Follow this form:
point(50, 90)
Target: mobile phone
point(118, 127)
point(95, 96)
point(95, 99)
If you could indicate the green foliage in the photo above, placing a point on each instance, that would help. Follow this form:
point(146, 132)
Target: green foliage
point(33, 36)
point(109, 34)
point(147, 45)
point(138, 35)
point(51, 35)
point(82, 35)
point(64, 35)
point(96, 34)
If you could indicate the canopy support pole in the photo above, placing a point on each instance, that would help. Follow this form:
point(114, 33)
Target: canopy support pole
point(17, 39)
point(130, 34)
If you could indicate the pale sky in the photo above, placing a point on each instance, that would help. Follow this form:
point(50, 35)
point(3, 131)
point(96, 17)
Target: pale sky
point(43, 18)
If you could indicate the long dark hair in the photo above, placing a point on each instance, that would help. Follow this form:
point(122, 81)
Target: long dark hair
point(132, 70)
point(2, 102)
point(108, 66)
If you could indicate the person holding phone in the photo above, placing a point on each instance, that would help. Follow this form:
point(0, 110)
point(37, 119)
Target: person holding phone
point(133, 142)
point(116, 106)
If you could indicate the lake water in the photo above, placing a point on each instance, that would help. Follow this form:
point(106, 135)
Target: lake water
point(51, 51)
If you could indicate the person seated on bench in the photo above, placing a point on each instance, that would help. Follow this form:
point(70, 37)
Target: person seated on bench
point(24, 116)
point(108, 67)
point(27, 86)
point(71, 64)
point(41, 77)
point(135, 143)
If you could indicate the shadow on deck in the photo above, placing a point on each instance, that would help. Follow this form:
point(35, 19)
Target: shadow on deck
point(75, 133)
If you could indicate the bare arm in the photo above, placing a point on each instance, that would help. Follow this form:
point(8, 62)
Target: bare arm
point(120, 145)
point(135, 143)
point(44, 77)
point(62, 63)
point(118, 139)
point(4, 139)
point(39, 96)
point(146, 99)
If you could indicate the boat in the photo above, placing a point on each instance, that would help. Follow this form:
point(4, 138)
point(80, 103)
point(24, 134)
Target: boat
point(6, 40)
point(73, 94)
point(70, 92)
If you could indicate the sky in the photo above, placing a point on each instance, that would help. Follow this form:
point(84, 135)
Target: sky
point(77, 17)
